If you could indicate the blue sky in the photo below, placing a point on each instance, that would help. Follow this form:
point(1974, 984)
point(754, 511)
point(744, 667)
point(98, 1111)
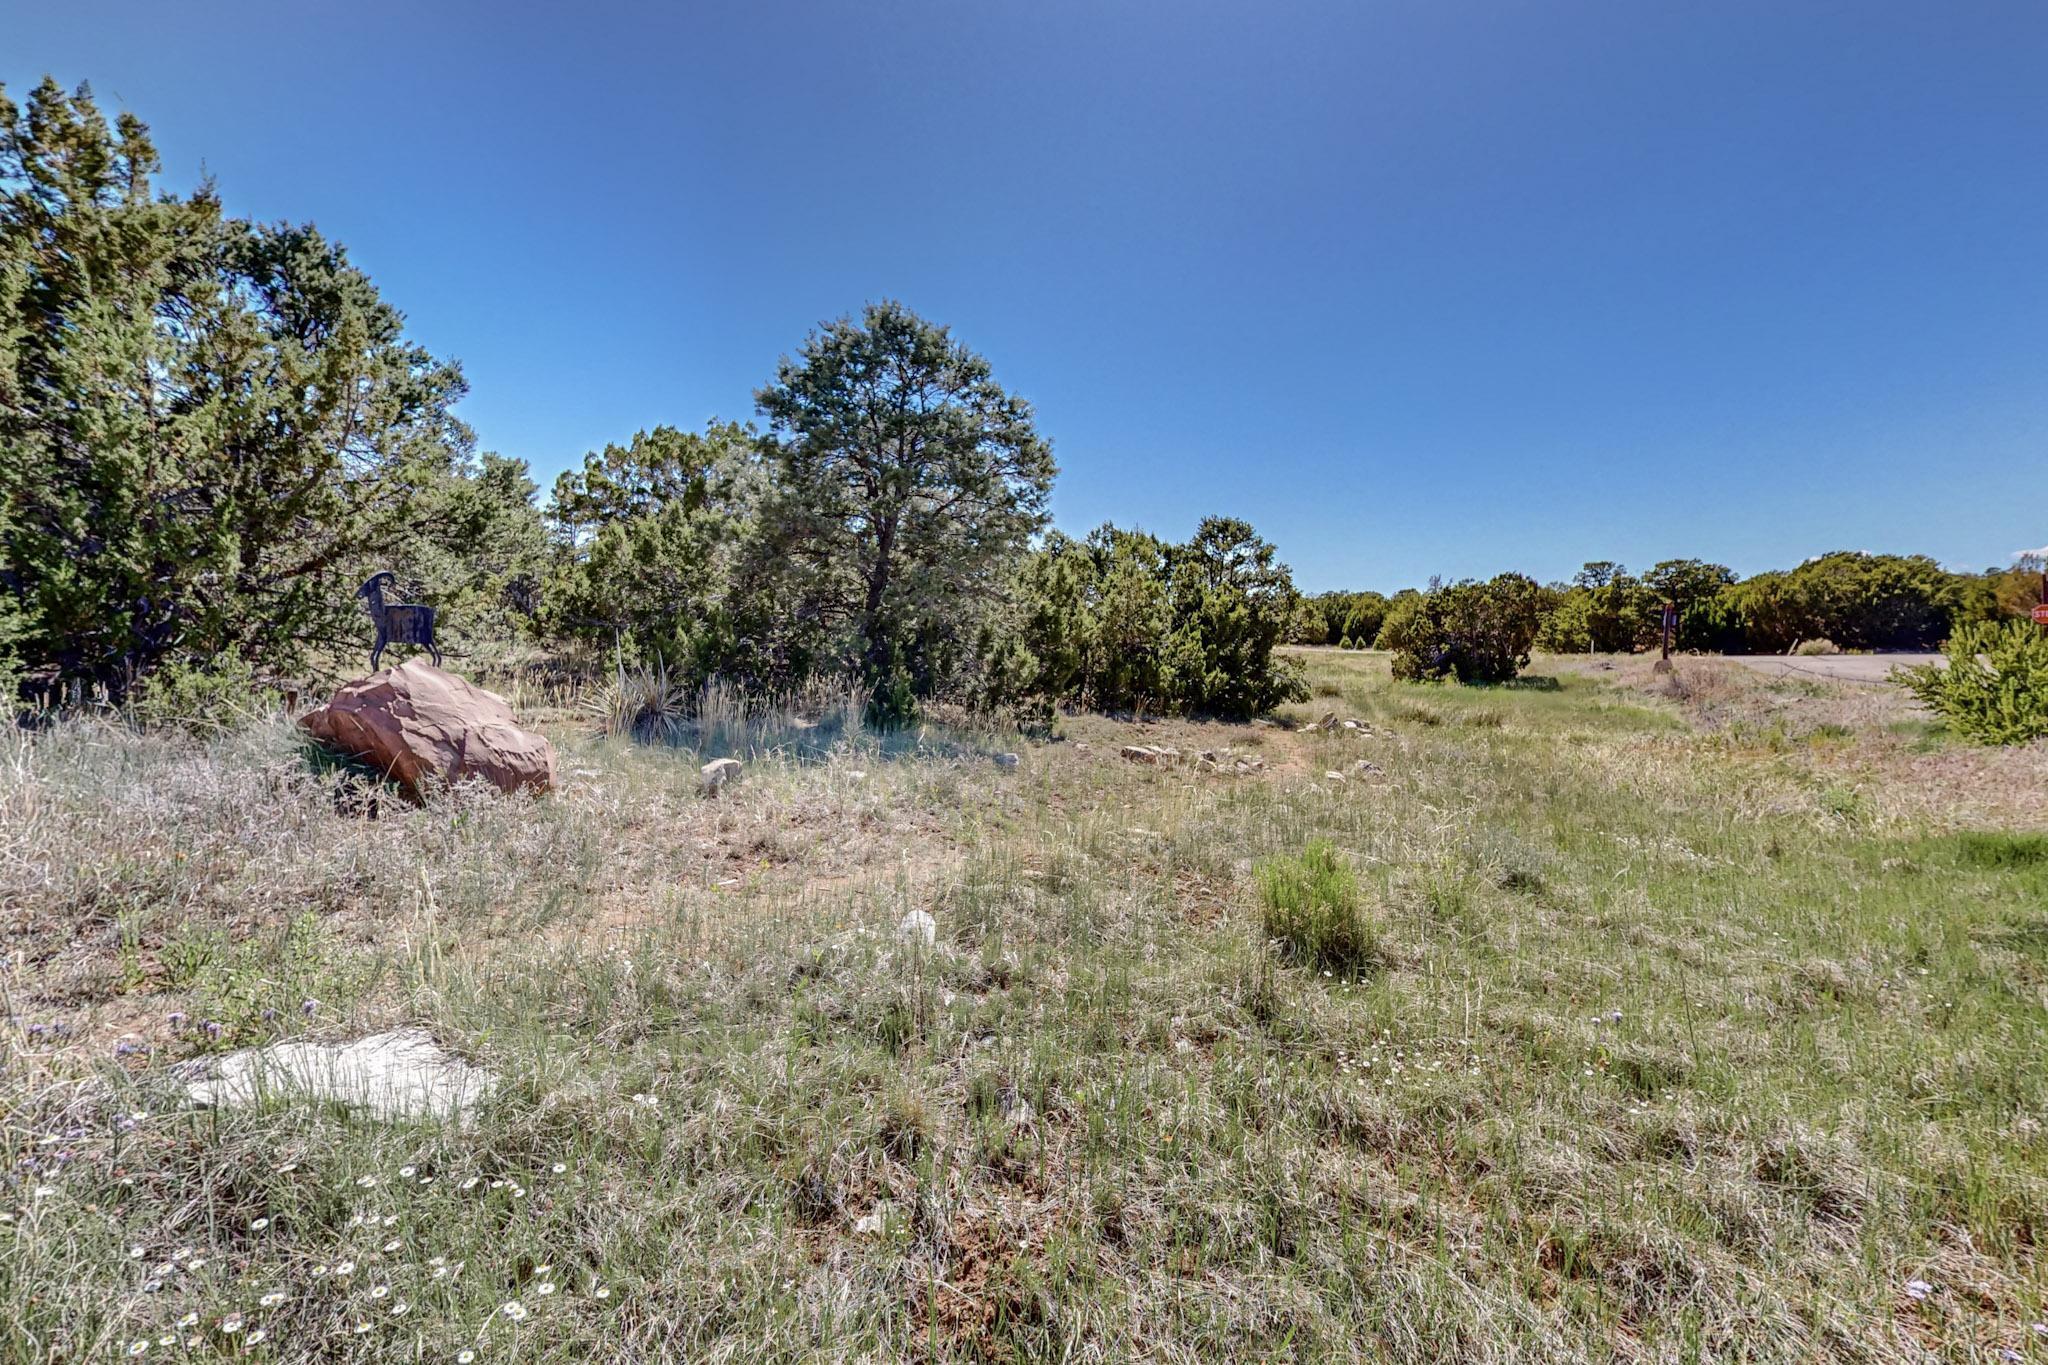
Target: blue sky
point(1418, 288)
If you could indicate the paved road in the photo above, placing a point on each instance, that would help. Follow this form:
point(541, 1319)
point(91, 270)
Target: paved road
point(1868, 668)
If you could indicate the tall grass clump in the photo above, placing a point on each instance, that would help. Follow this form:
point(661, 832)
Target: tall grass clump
point(1310, 907)
point(808, 721)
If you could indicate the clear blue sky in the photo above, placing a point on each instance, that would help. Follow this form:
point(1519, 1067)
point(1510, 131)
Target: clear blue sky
point(1429, 287)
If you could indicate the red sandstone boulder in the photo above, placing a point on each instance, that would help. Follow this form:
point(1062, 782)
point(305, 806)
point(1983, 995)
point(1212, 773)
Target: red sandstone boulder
point(420, 726)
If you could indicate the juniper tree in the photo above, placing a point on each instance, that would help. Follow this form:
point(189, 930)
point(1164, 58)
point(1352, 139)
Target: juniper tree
point(207, 426)
point(905, 484)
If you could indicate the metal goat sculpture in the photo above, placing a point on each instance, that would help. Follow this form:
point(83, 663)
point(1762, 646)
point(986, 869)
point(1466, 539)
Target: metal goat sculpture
point(398, 623)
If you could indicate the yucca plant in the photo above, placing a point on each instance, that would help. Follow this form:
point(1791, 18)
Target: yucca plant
point(642, 703)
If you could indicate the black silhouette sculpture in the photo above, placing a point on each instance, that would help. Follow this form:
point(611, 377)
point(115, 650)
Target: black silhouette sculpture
point(398, 623)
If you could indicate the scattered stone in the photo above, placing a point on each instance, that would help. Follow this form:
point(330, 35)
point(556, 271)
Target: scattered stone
point(918, 926)
point(1006, 760)
point(1208, 764)
point(1265, 723)
point(1353, 725)
point(719, 774)
point(1366, 768)
point(1334, 776)
point(1157, 757)
point(856, 775)
point(401, 1074)
point(874, 1221)
point(422, 727)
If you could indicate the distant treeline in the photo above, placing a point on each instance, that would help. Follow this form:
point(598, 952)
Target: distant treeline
point(1850, 599)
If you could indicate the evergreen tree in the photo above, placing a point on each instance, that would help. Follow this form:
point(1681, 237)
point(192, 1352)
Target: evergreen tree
point(905, 484)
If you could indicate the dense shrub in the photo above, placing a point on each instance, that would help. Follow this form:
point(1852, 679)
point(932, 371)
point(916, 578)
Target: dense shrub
point(216, 695)
point(1349, 619)
point(1310, 907)
point(213, 429)
point(1126, 620)
point(1471, 631)
point(1995, 688)
point(1859, 601)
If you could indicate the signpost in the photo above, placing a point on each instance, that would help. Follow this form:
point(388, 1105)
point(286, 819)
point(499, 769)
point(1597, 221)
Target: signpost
point(2041, 614)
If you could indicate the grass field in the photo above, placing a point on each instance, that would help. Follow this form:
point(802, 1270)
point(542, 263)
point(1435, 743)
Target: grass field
point(1596, 1017)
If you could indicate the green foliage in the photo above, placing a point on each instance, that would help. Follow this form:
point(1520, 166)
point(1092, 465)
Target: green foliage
point(1471, 631)
point(1860, 601)
point(212, 428)
point(1309, 905)
point(1995, 687)
point(1126, 620)
point(904, 484)
point(217, 694)
point(1349, 619)
point(650, 540)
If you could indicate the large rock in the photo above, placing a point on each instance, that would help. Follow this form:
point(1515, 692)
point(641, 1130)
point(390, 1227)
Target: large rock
point(420, 726)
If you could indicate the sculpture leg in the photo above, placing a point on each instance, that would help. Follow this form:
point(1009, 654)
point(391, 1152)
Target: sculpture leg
point(376, 654)
point(434, 650)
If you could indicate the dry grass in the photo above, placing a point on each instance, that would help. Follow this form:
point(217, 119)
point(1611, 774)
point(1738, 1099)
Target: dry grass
point(1692, 1030)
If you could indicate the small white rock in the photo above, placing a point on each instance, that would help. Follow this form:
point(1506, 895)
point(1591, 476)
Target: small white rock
point(719, 774)
point(918, 925)
point(1006, 760)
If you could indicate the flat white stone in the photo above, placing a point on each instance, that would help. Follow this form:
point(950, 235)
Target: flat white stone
point(401, 1074)
point(919, 926)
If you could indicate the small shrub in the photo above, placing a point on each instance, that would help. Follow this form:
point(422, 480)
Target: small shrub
point(1809, 649)
point(219, 694)
point(1311, 908)
point(1995, 688)
point(638, 703)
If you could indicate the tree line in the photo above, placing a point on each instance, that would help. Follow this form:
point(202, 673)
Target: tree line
point(1848, 600)
point(212, 429)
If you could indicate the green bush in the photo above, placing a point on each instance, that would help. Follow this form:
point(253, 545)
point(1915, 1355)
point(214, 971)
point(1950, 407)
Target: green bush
point(1474, 632)
point(1311, 908)
point(1813, 649)
point(218, 694)
point(1995, 688)
point(1124, 620)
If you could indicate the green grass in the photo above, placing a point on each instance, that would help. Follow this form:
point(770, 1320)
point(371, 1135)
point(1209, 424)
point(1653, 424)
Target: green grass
point(1666, 1046)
